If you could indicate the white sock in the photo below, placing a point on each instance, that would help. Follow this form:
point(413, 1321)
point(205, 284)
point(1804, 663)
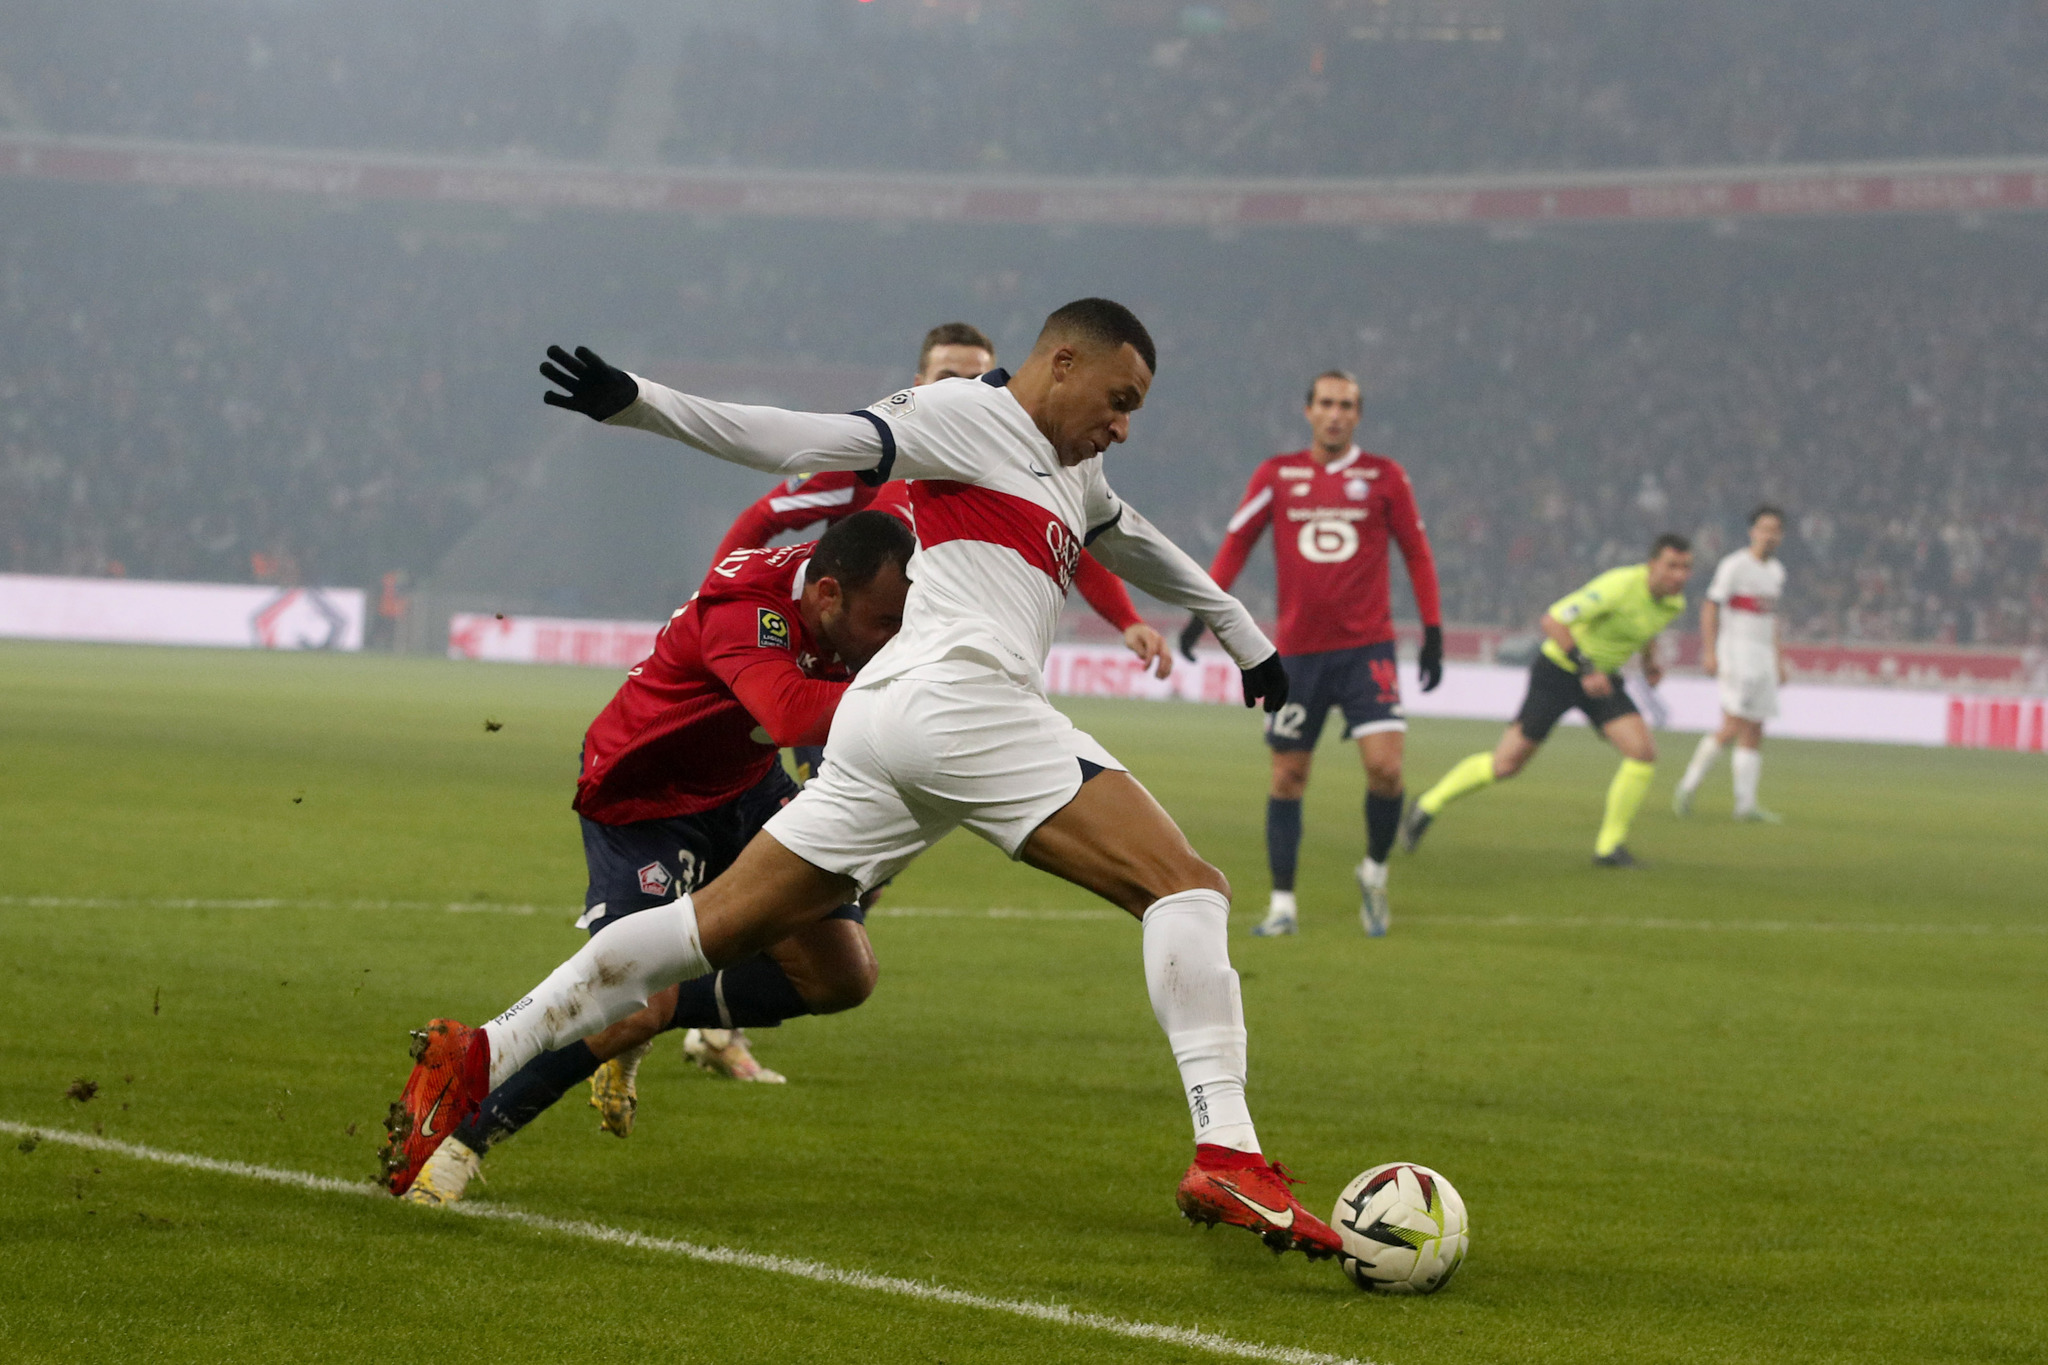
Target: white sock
point(610, 977)
point(1749, 768)
point(1702, 760)
point(1281, 904)
point(1195, 998)
point(1374, 874)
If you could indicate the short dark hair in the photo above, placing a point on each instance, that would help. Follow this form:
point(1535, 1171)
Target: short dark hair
point(854, 549)
point(1765, 509)
point(1107, 321)
point(954, 334)
point(1344, 375)
point(1670, 540)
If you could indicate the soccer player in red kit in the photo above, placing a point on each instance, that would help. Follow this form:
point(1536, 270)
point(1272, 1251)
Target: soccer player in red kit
point(1333, 508)
point(680, 770)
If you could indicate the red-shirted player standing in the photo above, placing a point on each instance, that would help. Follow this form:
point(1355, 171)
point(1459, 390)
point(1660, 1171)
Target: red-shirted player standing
point(680, 770)
point(1333, 508)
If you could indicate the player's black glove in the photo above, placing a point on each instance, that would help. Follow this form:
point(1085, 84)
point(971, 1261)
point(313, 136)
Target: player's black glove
point(595, 389)
point(1266, 681)
point(1190, 636)
point(1430, 664)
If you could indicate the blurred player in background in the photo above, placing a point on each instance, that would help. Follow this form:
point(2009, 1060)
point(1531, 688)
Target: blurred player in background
point(1336, 507)
point(680, 770)
point(1741, 646)
point(1588, 636)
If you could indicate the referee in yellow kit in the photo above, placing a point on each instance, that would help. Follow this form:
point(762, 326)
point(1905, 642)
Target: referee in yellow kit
point(1588, 637)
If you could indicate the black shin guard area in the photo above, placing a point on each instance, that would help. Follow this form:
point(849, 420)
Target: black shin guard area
point(1382, 823)
point(1283, 840)
point(755, 993)
point(526, 1093)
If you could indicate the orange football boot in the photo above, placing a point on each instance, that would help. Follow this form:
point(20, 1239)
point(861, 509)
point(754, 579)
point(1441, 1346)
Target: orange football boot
point(1245, 1190)
point(451, 1074)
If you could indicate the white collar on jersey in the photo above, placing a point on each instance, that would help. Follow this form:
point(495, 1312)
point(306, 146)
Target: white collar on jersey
point(796, 585)
point(1344, 461)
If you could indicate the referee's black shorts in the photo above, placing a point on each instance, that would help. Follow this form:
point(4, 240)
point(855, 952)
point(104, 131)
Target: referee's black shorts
point(1554, 691)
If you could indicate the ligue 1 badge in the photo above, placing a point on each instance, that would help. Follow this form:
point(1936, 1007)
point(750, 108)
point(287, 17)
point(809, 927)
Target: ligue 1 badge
point(774, 632)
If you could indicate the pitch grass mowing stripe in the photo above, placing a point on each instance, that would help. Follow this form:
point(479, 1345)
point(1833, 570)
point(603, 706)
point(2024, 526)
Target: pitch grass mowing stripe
point(1732, 926)
point(1058, 1314)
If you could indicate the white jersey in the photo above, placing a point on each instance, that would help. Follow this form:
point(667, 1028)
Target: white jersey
point(1000, 521)
point(1747, 590)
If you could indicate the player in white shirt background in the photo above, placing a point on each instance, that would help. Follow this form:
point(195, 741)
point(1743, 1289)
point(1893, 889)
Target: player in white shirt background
point(949, 725)
point(1742, 647)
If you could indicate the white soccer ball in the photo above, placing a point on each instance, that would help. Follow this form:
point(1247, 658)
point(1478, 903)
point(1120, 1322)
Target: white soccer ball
point(1403, 1227)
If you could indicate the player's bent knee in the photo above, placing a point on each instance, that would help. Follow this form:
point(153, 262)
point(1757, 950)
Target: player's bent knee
point(846, 990)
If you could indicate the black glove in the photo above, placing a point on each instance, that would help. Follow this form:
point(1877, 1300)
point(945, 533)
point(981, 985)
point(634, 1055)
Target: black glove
point(1266, 681)
point(1190, 636)
point(595, 389)
point(1430, 664)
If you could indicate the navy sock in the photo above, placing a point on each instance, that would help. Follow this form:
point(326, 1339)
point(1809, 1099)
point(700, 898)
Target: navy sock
point(756, 993)
point(1382, 823)
point(1283, 840)
point(525, 1093)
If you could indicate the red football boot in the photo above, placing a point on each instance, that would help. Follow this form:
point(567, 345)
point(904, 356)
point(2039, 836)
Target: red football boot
point(1244, 1190)
point(450, 1077)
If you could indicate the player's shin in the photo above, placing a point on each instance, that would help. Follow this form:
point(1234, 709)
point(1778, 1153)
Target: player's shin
point(1748, 769)
point(1468, 775)
point(1283, 840)
point(1702, 762)
point(1624, 797)
point(523, 1096)
point(1195, 997)
point(1383, 822)
point(752, 993)
point(608, 979)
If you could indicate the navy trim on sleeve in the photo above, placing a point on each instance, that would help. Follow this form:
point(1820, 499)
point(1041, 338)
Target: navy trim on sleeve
point(879, 475)
point(996, 379)
point(1095, 531)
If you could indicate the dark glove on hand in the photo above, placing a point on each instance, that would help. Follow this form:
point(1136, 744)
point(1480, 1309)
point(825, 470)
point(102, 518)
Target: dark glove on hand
point(595, 389)
point(1266, 681)
point(1190, 636)
point(1430, 665)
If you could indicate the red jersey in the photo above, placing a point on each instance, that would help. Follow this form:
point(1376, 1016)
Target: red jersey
point(829, 497)
point(734, 676)
point(1330, 548)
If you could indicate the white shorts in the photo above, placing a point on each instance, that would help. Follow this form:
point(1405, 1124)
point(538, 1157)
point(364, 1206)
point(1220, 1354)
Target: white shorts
point(913, 758)
point(1749, 693)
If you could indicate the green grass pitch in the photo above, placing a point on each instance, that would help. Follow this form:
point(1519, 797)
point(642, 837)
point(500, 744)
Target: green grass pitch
point(1778, 1097)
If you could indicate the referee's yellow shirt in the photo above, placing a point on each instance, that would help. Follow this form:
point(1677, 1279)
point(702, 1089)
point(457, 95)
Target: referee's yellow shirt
point(1612, 617)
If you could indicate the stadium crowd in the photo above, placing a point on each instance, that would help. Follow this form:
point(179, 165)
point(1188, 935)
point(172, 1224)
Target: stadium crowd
point(227, 389)
point(1352, 87)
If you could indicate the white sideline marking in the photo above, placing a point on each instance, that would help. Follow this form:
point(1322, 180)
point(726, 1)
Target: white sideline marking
point(999, 912)
point(1717, 926)
point(1059, 1314)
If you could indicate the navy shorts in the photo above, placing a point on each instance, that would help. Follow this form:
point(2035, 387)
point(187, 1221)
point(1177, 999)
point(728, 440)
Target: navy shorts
point(651, 862)
point(1364, 683)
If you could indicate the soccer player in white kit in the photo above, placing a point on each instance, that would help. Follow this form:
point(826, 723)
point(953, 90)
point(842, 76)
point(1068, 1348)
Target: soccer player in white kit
point(1740, 645)
point(949, 725)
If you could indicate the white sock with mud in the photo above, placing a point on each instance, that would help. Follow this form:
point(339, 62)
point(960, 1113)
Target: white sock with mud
point(608, 979)
point(1195, 997)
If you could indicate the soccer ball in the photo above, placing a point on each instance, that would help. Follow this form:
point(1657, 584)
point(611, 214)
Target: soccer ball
point(1403, 1227)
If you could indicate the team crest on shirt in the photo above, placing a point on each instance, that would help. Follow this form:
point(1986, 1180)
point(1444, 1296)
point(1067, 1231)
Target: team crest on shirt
point(1355, 488)
point(774, 632)
point(655, 879)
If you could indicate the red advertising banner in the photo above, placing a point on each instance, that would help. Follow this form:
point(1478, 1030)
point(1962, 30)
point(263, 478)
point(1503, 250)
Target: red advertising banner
point(1949, 187)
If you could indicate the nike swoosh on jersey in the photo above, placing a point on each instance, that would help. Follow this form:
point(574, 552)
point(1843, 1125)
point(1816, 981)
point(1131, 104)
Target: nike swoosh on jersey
point(427, 1127)
point(1039, 472)
point(1281, 1218)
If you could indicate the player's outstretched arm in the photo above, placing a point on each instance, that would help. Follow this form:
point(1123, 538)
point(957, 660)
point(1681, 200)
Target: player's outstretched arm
point(1135, 550)
point(770, 439)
